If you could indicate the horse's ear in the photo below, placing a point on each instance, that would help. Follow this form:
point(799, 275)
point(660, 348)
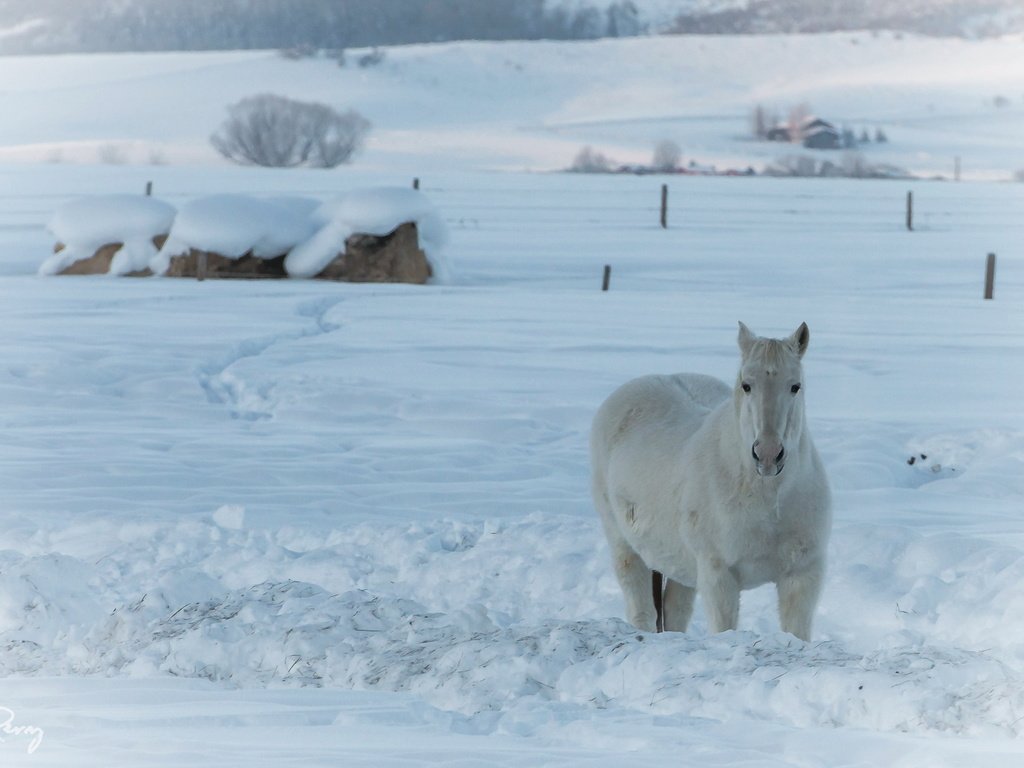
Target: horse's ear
point(746, 339)
point(800, 339)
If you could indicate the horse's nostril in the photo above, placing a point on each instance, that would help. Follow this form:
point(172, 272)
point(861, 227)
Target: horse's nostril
point(782, 452)
point(753, 452)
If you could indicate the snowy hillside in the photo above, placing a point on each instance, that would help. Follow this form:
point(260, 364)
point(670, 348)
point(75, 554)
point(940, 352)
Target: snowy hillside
point(532, 106)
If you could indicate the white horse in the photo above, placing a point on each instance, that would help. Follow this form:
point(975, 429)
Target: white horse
point(719, 493)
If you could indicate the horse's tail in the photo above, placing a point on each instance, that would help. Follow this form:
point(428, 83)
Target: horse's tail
point(658, 591)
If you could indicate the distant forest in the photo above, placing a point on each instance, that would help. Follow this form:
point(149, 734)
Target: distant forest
point(953, 18)
point(54, 26)
point(155, 25)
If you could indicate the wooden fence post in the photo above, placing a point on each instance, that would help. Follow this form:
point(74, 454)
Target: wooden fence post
point(149, 189)
point(910, 211)
point(201, 266)
point(664, 206)
point(416, 183)
point(990, 275)
point(607, 277)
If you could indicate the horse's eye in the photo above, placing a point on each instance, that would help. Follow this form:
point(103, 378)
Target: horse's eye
point(745, 387)
point(795, 388)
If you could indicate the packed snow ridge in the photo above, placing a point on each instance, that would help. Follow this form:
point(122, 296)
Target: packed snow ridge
point(311, 233)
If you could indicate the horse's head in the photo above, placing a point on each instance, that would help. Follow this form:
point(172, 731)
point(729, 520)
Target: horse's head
point(769, 397)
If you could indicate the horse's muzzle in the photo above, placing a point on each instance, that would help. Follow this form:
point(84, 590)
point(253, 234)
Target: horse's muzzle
point(772, 468)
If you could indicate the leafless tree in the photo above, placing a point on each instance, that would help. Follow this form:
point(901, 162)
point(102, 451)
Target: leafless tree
point(111, 154)
point(277, 132)
point(855, 165)
point(667, 156)
point(799, 114)
point(588, 160)
point(760, 123)
point(337, 136)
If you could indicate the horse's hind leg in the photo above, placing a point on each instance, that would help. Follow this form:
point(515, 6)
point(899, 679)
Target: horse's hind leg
point(635, 579)
point(678, 604)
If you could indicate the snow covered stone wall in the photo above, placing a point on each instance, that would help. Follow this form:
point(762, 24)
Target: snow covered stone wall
point(372, 235)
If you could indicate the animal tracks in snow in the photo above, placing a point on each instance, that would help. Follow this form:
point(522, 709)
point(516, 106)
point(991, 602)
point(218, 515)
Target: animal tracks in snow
point(254, 401)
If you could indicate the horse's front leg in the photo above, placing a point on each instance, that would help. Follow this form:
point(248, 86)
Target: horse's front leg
point(798, 597)
point(720, 591)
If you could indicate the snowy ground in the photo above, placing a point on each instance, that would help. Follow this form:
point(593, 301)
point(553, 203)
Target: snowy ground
point(291, 523)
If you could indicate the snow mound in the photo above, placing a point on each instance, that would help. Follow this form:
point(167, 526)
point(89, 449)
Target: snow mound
point(373, 211)
point(87, 224)
point(372, 607)
point(501, 676)
point(234, 225)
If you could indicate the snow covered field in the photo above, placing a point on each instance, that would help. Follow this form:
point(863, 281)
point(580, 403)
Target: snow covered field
point(295, 523)
point(318, 524)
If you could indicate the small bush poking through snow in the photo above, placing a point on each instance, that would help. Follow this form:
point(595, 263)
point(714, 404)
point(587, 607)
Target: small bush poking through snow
point(277, 132)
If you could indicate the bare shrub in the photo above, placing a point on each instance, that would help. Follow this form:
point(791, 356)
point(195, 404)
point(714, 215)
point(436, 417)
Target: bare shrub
point(667, 156)
point(111, 154)
point(372, 59)
point(301, 51)
point(853, 165)
point(856, 166)
point(277, 132)
point(793, 165)
point(763, 120)
point(588, 160)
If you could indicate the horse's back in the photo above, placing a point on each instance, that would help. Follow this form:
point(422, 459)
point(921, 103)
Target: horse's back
point(653, 410)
